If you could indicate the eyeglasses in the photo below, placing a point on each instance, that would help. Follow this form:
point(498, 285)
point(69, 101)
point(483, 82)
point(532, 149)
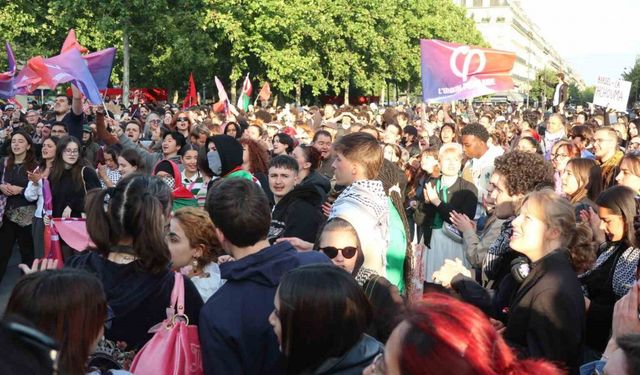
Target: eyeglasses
point(379, 366)
point(332, 252)
point(155, 121)
point(183, 119)
point(71, 152)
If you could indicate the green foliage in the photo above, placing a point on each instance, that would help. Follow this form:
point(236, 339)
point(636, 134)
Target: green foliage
point(581, 97)
point(321, 45)
point(544, 84)
point(633, 74)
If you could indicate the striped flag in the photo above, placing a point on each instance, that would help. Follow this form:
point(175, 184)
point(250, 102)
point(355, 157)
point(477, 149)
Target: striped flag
point(223, 103)
point(245, 96)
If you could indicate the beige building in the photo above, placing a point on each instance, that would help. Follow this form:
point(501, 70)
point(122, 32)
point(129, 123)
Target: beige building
point(505, 26)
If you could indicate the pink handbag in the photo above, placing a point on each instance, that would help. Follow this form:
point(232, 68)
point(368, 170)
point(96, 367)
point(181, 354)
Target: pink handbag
point(175, 347)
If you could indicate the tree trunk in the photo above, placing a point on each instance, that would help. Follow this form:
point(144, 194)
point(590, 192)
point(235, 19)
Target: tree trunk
point(298, 93)
point(382, 94)
point(125, 67)
point(408, 93)
point(346, 93)
point(275, 101)
point(234, 92)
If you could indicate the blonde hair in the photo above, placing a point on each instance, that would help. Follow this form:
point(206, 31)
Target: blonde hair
point(556, 212)
point(455, 148)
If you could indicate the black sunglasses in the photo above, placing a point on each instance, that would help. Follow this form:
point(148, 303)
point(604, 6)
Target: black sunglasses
point(332, 252)
point(183, 119)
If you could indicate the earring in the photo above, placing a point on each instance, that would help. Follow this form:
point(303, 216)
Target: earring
point(194, 263)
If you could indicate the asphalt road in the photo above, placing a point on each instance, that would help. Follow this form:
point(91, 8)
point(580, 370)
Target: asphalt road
point(9, 280)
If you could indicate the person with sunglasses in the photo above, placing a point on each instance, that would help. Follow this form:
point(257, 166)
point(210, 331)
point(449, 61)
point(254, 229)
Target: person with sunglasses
point(339, 241)
point(181, 123)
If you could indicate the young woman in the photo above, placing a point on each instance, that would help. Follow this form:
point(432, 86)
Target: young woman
point(195, 249)
point(282, 144)
point(70, 179)
point(617, 263)
point(308, 158)
point(320, 317)
point(232, 129)
point(18, 213)
point(448, 133)
point(581, 183)
point(629, 175)
point(529, 144)
point(132, 260)
point(255, 159)
point(561, 153)
point(182, 124)
point(339, 241)
point(192, 179)
point(393, 153)
point(443, 195)
point(428, 169)
point(34, 191)
point(67, 305)
point(109, 172)
point(442, 335)
point(129, 161)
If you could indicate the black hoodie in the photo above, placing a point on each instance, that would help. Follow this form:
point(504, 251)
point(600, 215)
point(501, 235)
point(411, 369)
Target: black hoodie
point(297, 214)
point(230, 151)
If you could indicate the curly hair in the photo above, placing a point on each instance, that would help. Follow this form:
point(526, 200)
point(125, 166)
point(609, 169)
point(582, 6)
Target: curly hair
point(198, 228)
point(524, 172)
point(477, 131)
point(258, 155)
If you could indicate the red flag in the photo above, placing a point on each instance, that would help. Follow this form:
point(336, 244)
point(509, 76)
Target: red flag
point(192, 96)
point(71, 42)
point(265, 92)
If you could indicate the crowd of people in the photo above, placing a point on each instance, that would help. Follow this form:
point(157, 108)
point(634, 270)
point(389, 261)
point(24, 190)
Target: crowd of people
point(463, 238)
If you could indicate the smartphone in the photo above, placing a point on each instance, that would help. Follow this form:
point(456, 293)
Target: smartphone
point(613, 118)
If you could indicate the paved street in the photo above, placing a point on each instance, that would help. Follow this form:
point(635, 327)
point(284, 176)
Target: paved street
point(9, 280)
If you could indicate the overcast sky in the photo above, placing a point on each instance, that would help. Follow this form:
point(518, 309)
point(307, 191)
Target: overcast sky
point(595, 37)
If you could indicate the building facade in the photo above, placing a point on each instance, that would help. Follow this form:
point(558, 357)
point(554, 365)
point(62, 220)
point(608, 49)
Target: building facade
point(505, 26)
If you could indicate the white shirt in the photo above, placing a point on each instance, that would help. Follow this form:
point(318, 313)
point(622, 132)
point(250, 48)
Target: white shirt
point(482, 169)
point(34, 192)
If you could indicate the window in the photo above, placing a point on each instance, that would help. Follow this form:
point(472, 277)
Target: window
point(477, 3)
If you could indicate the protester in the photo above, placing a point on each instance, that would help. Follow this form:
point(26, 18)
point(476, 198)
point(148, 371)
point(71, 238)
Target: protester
point(131, 258)
point(297, 210)
point(170, 174)
point(629, 175)
point(108, 172)
point(129, 161)
point(364, 202)
point(68, 305)
point(339, 241)
point(234, 332)
point(615, 269)
point(605, 148)
point(309, 158)
point(320, 318)
point(18, 211)
point(195, 248)
point(445, 336)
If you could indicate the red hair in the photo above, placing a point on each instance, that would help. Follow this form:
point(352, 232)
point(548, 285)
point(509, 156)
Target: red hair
point(447, 336)
point(258, 155)
point(173, 126)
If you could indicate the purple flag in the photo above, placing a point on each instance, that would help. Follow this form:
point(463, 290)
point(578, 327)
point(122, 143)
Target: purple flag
point(66, 67)
point(7, 78)
point(100, 64)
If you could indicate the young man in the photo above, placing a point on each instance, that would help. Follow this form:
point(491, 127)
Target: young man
point(605, 148)
point(479, 167)
point(364, 203)
point(69, 112)
point(297, 211)
point(322, 142)
point(235, 333)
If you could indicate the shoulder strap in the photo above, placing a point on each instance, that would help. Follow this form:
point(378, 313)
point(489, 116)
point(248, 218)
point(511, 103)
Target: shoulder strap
point(177, 295)
point(4, 169)
point(84, 184)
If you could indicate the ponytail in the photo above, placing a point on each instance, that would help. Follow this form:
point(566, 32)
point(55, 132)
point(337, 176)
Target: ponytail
point(137, 209)
point(145, 220)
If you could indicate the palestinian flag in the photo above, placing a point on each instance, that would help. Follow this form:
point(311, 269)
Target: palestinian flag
point(245, 96)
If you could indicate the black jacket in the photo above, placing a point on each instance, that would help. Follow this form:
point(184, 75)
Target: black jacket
point(547, 313)
point(462, 197)
point(319, 182)
point(353, 361)
point(297, 214)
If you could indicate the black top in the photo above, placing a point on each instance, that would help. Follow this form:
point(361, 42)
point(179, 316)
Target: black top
point(547, 313)
point(74, 124)
point(15, 175)
point(66, 192)
point(297, 214)
point(599, 286)
point(138, 299)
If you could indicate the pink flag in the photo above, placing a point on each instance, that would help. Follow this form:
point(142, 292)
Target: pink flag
point(72, 43)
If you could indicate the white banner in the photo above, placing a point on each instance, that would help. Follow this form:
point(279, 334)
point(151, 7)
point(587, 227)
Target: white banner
point(612, 93)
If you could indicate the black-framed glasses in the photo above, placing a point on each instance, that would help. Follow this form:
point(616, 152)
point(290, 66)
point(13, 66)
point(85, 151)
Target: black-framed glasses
point(348, 252)
point(183, 119)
